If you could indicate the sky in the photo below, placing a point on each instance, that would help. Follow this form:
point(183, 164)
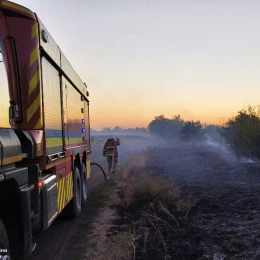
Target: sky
point(144, 58)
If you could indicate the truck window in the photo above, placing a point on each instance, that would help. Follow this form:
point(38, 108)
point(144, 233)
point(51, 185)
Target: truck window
point(4, 92)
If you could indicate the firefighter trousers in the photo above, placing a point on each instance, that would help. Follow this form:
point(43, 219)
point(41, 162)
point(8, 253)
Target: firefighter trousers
point(110, 162)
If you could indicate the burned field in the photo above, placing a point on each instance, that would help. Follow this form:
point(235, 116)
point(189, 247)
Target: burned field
point(188, 202)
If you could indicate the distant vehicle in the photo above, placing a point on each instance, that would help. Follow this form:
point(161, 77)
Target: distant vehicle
point(44, 132)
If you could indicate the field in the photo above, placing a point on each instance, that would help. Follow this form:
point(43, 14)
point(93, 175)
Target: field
point(224, 222)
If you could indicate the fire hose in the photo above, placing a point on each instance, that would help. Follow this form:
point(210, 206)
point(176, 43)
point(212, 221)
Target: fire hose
point(105, 176)
point(113, 162)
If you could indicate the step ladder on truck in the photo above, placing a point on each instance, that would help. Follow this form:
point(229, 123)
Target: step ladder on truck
point(44, 132)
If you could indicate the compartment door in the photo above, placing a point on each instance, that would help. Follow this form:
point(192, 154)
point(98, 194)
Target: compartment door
point(52, 108)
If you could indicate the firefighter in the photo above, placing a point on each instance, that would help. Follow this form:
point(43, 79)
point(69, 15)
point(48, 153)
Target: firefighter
point(111, 152)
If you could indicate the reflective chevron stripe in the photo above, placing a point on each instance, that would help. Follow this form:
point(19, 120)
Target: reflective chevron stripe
point(65, 191)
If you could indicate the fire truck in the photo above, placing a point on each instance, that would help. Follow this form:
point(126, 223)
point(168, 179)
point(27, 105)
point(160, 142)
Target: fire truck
point(44, 132)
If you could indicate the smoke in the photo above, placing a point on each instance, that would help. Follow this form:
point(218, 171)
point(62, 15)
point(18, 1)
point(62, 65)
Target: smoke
point(218, 145)
point(130, 144)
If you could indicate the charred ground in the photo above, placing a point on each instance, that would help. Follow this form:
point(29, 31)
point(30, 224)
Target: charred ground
point(221, 215)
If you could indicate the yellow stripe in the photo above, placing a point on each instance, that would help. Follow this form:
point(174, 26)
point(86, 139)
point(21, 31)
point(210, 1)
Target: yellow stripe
point(53, 142)
point(11, 159)
point(71, 186)
point(75, 141)
point(58, 195)
point(33, 107)
point(39, 124)
point(61, 193)
point(71, 183)
point(34, 31)
point(110, 147)
point(17, 7)
point(34, 55)
point(68, 188)
point(39, 147)
point(64, 194)
point(34, 82)
point(88, 168)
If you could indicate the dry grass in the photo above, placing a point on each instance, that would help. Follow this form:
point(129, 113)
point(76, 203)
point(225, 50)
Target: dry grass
point(153, 205)
point(157, 205)
point(120, 246)
point(147, 187)
point(137, 184)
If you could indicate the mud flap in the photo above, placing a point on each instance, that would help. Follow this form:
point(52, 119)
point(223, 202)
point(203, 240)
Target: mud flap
point(25, 198)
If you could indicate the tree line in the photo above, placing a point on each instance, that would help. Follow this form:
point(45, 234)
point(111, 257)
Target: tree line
point(240, 133)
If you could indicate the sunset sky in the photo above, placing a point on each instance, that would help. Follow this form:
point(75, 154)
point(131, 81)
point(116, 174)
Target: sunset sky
point(142, 58)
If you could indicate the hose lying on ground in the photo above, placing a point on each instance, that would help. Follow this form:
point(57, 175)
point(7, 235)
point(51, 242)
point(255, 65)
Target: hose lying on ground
point(105, 176)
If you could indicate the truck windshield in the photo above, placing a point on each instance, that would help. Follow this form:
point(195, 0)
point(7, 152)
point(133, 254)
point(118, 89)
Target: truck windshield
point(4, 92)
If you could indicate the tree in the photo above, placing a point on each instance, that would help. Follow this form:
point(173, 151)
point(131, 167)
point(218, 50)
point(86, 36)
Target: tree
point(106, 129)
point(118, 128)
point(192, 131)
point(164, 127)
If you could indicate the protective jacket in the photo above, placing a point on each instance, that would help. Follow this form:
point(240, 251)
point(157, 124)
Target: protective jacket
point(110, 147)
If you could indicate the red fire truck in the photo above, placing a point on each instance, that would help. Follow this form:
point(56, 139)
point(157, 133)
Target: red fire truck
point(44, 132)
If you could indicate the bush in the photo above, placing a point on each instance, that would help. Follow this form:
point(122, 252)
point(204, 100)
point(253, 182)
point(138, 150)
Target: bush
point(192, 131)
point(242, 132)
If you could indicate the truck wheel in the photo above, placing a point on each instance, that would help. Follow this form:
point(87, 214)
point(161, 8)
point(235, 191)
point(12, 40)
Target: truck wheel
point(4, 243)
point(73, 209)
point(84, 185)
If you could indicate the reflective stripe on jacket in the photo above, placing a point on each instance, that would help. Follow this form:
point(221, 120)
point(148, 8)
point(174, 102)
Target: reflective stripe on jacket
point(110, 147)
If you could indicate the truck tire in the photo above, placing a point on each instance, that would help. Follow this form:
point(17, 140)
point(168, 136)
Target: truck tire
point(73, 209)
point(84, 185)
point(4, 243)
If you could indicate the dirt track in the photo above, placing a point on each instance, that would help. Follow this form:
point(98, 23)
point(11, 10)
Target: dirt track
point(225, 222)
